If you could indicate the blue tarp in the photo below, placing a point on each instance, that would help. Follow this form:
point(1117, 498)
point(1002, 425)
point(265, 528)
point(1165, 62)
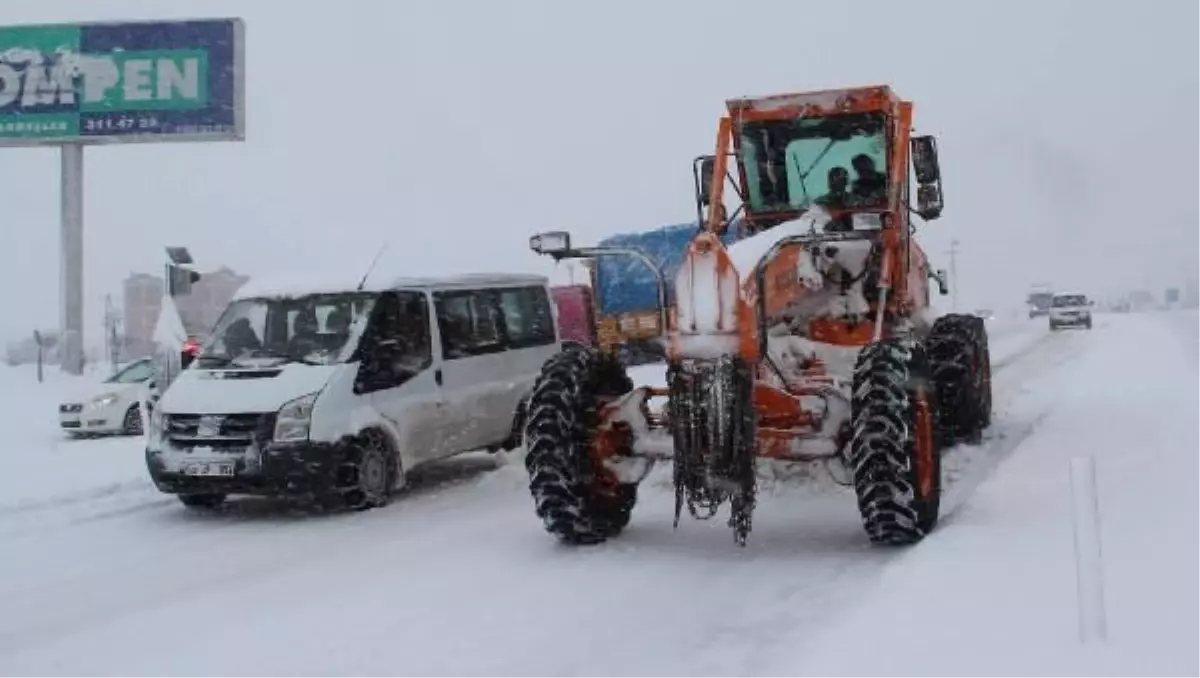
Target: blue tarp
point(624, 284)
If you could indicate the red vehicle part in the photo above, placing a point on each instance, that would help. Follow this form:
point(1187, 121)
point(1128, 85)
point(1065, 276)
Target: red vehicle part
point(576, 317)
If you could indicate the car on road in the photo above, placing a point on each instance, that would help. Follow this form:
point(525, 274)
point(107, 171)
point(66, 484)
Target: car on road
point(1070, 310)
point(112, 407)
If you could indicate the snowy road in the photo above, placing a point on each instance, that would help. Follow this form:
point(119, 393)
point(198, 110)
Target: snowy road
point(99, 574)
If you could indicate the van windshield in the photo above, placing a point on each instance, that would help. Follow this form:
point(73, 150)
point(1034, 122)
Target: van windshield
point(318, 329)
point(1070, 300)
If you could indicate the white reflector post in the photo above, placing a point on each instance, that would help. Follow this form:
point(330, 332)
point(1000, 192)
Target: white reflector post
point(1089, 565)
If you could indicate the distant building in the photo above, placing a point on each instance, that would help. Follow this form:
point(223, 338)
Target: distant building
point(208, 299)
point(199, 310)
point(142, 301)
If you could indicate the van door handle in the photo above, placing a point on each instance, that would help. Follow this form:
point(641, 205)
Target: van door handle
point(437, 376)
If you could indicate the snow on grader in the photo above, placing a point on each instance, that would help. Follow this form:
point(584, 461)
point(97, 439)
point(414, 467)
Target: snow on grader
point(812, 339)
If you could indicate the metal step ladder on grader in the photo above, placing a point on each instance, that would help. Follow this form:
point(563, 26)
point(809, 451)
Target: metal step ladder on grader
point(812, 339)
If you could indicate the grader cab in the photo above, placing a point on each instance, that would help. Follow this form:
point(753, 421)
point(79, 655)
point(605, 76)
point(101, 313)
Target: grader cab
point(811, 340)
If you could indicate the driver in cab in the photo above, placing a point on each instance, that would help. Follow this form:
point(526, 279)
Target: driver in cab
point(838, 198)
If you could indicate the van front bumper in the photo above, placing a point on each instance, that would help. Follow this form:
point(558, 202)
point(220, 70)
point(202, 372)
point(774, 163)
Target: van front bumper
point(1071, 320)
point(275, 469)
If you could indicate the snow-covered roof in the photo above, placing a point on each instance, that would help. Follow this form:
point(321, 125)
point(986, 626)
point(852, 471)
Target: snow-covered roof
point(299, 286)
point(826, 99)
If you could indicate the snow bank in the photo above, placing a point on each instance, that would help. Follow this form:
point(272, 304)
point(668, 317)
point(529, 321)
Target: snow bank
point(39, 464)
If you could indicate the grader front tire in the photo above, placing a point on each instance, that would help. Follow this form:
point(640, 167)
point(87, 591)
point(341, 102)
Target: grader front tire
point(894, 449)
point(577, 499)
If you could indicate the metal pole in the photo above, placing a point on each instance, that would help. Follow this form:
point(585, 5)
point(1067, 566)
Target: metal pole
point(71, 260)
point(954, 274)
point(107, 323)
point(636, 252)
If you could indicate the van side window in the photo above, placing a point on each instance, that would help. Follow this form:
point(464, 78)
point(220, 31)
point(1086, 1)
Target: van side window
point(412, 331)
point(397, 345)
point(527, 316)
point(469, 322)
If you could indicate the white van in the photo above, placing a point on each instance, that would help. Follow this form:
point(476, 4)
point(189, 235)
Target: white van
point(1070, 310)
point(334, 394)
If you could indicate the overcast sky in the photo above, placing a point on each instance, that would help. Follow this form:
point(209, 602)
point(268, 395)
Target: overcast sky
point(454, 130)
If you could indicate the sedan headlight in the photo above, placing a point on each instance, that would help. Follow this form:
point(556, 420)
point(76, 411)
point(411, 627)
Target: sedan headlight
point(292, 422)
point(103, 401)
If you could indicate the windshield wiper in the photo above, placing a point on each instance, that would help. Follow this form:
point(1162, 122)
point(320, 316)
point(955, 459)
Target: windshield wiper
point(286, 357)
point(804, 173)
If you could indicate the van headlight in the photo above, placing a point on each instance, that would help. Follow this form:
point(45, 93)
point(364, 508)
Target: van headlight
point(292, 422)
point(155, 429)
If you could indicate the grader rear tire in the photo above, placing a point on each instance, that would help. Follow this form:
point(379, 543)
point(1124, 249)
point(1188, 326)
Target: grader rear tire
point(960, 366)
point(575, 498)
point(894, 450)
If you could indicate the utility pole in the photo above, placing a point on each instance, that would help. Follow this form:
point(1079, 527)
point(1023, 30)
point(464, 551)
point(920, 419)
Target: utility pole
point(954, 274)
point(112, 344)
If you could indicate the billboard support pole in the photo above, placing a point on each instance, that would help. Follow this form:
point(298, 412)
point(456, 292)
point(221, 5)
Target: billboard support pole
point(71, 259)
point(67, 86)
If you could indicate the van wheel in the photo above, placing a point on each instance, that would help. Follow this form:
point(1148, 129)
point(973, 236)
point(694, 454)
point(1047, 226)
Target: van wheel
point(202, 501)
point(369, 473)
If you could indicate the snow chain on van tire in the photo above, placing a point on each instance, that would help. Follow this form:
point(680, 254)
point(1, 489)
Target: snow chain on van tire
point(960, 365)
point(562, 415)
point(887, 459)
point(366, 478)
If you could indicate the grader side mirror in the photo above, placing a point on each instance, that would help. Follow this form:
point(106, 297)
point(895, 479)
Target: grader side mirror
point(553, 243)
point(925, 160)
point(707, 168)
point(940, 276)
point(929, 201)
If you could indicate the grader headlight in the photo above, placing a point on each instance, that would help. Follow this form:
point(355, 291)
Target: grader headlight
point(706, 301)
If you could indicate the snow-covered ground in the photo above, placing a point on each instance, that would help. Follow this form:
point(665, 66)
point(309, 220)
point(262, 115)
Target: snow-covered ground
point(100, 574)
point(39, 465)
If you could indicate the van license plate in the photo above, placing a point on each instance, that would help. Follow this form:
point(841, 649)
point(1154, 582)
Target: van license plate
point(214, 468)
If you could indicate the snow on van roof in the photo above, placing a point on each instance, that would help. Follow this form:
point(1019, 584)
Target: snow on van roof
point(304, 285)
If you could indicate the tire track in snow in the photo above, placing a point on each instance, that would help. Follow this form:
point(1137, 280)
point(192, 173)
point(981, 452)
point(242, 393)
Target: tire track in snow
point(743, 644)
point(972, 465)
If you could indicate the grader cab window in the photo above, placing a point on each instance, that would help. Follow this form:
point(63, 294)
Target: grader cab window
point(837, 161)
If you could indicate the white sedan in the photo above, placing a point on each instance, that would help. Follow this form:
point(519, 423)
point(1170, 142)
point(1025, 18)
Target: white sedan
point(113, 409)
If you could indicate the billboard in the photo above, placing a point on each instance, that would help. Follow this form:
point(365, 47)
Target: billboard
point(145, 81)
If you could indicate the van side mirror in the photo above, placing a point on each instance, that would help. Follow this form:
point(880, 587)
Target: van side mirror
point(708, 165)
